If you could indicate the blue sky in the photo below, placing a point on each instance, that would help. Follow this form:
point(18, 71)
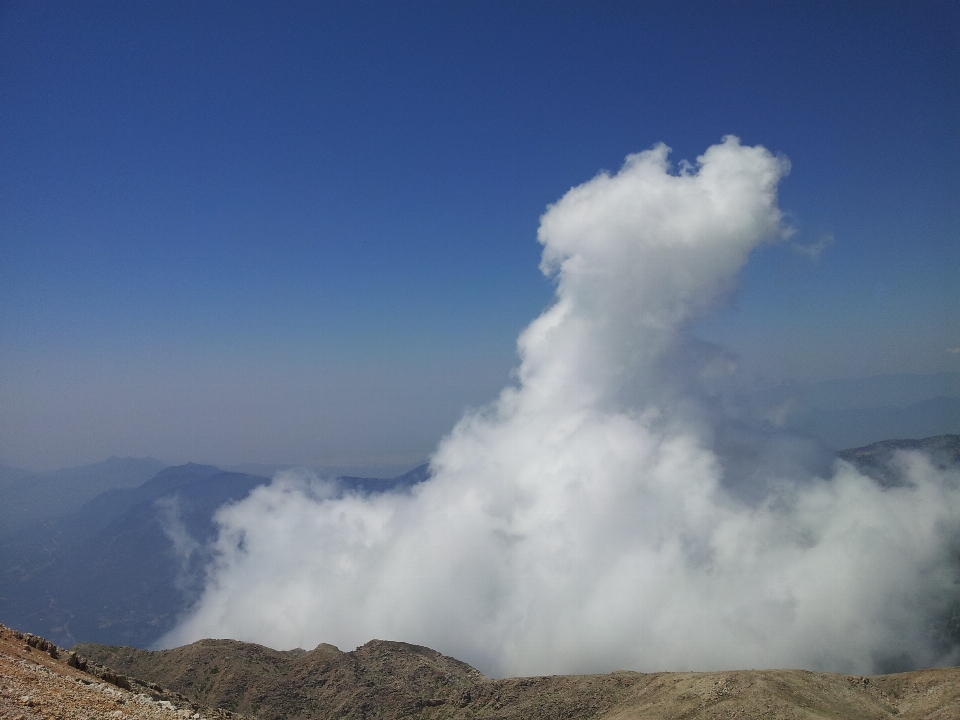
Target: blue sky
point(306, 232)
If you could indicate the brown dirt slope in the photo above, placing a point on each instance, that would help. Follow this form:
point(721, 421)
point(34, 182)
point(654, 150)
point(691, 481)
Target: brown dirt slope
point(40, 680)
point(395, 680)
point(782, 694)
point(380, 679)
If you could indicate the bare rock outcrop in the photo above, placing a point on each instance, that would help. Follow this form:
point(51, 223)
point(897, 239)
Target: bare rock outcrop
point(40, 680)
point(393, 680)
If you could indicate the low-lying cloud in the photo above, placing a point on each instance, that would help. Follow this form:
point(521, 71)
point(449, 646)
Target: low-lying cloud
point(611, 509)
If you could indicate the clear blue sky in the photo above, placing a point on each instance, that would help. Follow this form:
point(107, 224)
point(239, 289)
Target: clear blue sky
point(306, 232)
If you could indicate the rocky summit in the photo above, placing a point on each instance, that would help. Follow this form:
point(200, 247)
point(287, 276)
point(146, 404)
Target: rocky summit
point(40, 680)
point(229, 680)
point(389, 680)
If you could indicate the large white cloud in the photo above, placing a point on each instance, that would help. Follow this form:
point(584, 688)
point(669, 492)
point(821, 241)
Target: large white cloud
point(589, 519)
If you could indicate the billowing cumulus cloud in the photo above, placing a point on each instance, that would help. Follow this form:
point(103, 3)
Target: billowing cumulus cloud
point(609, 510)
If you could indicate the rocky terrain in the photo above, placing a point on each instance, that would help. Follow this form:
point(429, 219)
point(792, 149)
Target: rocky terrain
point(40, 680)
point(395, 680)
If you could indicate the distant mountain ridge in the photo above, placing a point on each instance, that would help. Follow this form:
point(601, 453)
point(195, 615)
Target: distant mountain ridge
point(854, 427)
point(853, 412)
point(31, 497)
point(875, 459)
point(122, 567)
point(126, 565)
point(109, 505)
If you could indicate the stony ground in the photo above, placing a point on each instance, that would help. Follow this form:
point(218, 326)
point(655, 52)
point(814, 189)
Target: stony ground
point(794, 694)
point(40, 680)
point(390, 680)
point(387, 680)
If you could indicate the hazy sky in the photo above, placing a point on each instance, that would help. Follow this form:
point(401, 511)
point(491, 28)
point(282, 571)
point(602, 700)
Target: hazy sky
point(306, 232)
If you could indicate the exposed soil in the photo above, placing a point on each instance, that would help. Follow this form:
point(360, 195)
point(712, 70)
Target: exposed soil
point(396, 680)
point(216, 678)
point(40, 680)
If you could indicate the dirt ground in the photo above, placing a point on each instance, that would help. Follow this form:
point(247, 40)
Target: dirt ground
point(395, 680)
point(38, 683)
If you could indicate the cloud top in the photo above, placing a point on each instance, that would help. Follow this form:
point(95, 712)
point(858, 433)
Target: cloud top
point(588, 519)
